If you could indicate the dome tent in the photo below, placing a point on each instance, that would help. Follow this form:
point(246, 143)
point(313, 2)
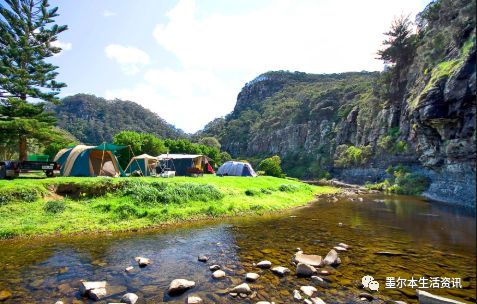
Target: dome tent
point(144, 163)
point(235, 168)
point(84, 160)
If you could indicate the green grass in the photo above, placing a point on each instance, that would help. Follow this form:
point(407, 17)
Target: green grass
point(67, 205)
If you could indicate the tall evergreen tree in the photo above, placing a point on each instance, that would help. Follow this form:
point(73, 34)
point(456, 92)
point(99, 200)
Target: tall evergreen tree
point(27, 36)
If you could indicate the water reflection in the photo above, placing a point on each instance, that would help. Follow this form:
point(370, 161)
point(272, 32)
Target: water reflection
point(432, 240)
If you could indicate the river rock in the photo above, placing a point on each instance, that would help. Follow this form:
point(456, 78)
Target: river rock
point(429, 298)
point(59, 302)
point(252, 276)
point(214, 267)
point(280, 270)
point(218, 274)
point(343, 245)
point(264, 264)
point(202, 258)
point(242, 288)
point(304, 270)
point(296, 295)
point(129, 298)
point(142, 262)
point(179, 286)
point(193, 300)
point(5, 294)
point(389, 253)
point(317, 280)
point(94, 290)
point(317, 301)
point(308, 259)
point(366, 296)
point(308, 290)
point(331, 258)
point(129, 269)
point(339, 248)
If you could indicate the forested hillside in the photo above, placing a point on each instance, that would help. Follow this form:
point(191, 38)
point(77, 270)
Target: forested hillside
point(420, 112)
point(93, 120)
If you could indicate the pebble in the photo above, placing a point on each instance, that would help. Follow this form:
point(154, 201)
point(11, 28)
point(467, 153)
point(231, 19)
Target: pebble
point(296, 295)
point(252, 276)
point(304, 270)
point(129, 269)
point(280, 270)
point(264, 264)
point(242, 288)
point(142, 262)
point(308, 290)
point(203, 258)
point(129, 298)
point(214, 267)
point(317, 301)
point(194, 300)
point(317, 280)
point(218, 274)
point(179, 286)
point(338, 248)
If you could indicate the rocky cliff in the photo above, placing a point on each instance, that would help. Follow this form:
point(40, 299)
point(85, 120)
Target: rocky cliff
point(355, 125)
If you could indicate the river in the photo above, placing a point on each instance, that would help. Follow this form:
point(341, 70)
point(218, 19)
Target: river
point(427, 240)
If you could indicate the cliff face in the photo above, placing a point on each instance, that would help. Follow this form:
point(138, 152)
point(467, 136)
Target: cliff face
point(424, 118)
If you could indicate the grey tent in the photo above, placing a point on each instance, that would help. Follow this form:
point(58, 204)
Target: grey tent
point(235, 168)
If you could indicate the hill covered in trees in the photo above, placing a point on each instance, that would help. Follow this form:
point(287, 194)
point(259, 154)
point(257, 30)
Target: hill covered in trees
point(93, 120)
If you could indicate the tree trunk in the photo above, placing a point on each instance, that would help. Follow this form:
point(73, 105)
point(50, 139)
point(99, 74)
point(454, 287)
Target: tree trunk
point(22, 148)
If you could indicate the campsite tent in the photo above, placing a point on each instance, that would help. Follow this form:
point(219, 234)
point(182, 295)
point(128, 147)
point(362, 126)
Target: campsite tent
point(235, 168)
point(84, 160)
point(186, 164)
point(144, 163)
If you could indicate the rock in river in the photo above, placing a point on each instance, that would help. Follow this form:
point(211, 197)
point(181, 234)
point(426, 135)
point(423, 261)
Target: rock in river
point(179, 286)
point(94, 290)
point(308, 259)
point(129, 298)
point(296, 295)
point(218, 274)
point(203, 258)
point(194, 300)
point(331, 258)
point(304, 270)
point(264, 264)
point(4, 295)
point(308, 290)
point(429, 298)
point(280, 270)
point(242, 288)
point(142, 262)
point(317, 301)
point(252, 276)
point(214, 267)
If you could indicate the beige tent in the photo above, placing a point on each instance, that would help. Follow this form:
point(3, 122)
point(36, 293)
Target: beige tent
point(144, 163)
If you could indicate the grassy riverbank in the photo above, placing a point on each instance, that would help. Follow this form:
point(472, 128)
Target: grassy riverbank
point(67, 205)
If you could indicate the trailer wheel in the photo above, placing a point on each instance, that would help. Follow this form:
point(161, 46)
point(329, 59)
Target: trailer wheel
point(49, 173)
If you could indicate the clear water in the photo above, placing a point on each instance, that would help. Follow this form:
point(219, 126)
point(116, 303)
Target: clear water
point(433, 240)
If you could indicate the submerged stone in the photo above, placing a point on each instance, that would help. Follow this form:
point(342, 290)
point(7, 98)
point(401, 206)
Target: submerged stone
point(179, 286)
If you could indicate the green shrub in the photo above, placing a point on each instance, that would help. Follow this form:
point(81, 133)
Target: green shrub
point(271, 166)
point(348, 156)
point(11, 195)
point(125, 211)
point(55, 207)
point(251, 192)
point(266, 191)
point(402, 181)
point(288, 188)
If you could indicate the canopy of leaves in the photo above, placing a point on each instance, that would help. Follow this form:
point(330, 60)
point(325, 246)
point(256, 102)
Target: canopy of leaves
point(271, 166)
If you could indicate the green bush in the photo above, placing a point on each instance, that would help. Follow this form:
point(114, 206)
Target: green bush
point(288, 188)
point(402, 181)
point(251, 192)
point(55, 207)
point(11, 195)
point(271, 166)
point(348, 156)
point(125, 211)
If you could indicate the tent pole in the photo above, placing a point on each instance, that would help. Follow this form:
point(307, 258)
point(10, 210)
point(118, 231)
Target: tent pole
point(102, 159)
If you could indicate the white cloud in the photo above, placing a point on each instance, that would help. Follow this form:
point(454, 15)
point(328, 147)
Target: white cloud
point(218, 53)
point(65, 46)
point(188, 98)
point(130, 58)
point(108, 13)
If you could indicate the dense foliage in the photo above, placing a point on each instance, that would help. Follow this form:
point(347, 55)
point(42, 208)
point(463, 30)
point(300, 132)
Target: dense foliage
point(93, 120)
point(271, 166)
point(27, 34)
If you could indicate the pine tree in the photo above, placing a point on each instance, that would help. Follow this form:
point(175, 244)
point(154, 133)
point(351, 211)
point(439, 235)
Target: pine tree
point(27, 36)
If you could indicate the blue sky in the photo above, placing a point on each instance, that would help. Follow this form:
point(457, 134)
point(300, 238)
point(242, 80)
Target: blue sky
point(187, 60)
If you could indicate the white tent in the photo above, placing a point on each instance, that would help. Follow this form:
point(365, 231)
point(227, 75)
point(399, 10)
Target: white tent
point(235, 168)
point(145, 163)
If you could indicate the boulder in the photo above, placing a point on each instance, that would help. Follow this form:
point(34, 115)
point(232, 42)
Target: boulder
point(214, 267)
point(280, 270)
point(202, 258)
point(308, 259)
point(429, 298)
point(179, 286)
point(193, 300)
point(304, 270)
point(218, 274)
point(242, 288)
point(142, 262)
point(264, 264)
point(93, 290)
point(308, 290)
point(252, 276)
point(129, 298)
point(331, 258)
